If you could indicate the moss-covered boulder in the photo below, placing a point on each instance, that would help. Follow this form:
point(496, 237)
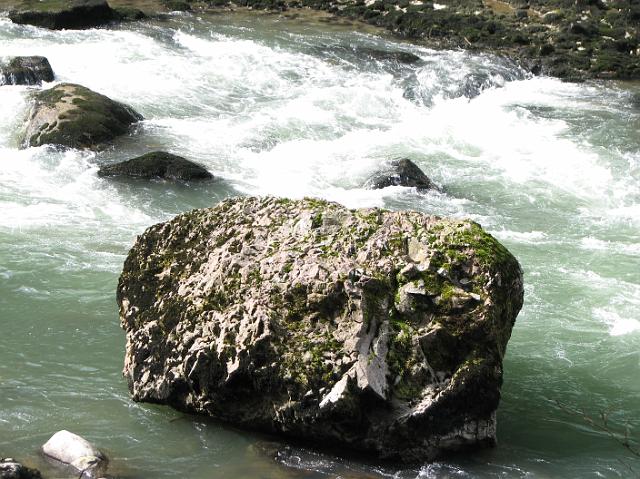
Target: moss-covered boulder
point(26, 71)
point(157, 164)
point(74, 116)
point(373, 330)
point(64, 14)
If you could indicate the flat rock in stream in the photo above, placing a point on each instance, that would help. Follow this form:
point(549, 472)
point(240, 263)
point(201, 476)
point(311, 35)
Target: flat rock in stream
point(26, 71)
point(11, 469)
point(366, 329)
point(157, 164)
point(74, 116)
point(64, 14)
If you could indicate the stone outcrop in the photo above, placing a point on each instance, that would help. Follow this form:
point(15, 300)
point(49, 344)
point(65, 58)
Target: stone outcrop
point(26, 71)
point(401, 172)
point(76, 453)
point(157, 164)
point(368, 329)
point(74, 116)
point(65, 14)
point(11, 469)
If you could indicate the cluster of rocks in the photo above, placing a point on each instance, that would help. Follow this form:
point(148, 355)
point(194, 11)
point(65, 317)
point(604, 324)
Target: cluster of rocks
point(378, 331)
point(574, 40)
point(65, 451)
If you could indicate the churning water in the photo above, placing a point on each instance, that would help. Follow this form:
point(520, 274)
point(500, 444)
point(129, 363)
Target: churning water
point(298, 108)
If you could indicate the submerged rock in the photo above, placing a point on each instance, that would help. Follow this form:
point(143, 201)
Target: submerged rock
point(388, 55)
point(373, 330)
point(74, 116)
point(402, 172)
point(77, 453)
point(157, 164)
point(11, 469)
point(65, 14)
point(26, 71)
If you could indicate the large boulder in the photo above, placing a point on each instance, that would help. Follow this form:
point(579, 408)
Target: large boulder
point(76, 453)
point(26, 71)
point(157, 164)
point(11, 469)
point(74, 116)
point(400, 172)
point(64, 14)
point(379, 331)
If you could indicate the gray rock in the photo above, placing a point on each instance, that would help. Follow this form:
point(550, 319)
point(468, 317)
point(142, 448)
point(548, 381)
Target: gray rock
point(11, 469)
point(77, 453)
point(26, 71)
point(157, 164)
point(69, 14)
point(402, 172)
point(74, 116)
point(367, 329)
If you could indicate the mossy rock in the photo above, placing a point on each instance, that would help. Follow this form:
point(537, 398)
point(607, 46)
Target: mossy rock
point(74, 116)
point(373, 330)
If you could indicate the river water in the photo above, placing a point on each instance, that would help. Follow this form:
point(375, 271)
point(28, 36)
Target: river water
point(298, 108)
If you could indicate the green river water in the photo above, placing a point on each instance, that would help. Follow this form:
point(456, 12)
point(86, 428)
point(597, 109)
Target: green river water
point(296, 108)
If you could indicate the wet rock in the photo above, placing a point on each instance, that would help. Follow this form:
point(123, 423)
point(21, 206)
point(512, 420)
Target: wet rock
point(11, 469)
point(176, 5)
point(402, 172)
point(65, 14)
point(74, 116)
point(26, 71)
point(366, 329)
point(387, 55)
point(157, 164)
point(77, 453)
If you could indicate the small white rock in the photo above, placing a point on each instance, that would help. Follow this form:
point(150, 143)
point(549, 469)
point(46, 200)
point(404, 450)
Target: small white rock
point(71, 449)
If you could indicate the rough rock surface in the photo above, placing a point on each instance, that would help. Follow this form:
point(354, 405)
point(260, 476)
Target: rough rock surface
point(157, 164)
point(64, 14)
point(402, 172)
point(77, 453)
point(11, 469)
point(74, 116)
point(375, 330)
point(26, 71)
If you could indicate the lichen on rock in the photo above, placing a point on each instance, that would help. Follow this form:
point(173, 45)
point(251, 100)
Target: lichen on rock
point(376, 330)
point(74, 116)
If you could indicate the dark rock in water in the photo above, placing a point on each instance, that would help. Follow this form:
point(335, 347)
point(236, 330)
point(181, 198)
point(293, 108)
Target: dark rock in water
point(403, 172)
point(366, 329)
point(129, 14)
point(10, 469)
point(386, 55)
point(74, 116)
point(157, 165)
point(65, 14)
point(176, 5)
point(26, 71)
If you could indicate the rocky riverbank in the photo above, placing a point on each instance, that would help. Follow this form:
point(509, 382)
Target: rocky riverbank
point(573, 40)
